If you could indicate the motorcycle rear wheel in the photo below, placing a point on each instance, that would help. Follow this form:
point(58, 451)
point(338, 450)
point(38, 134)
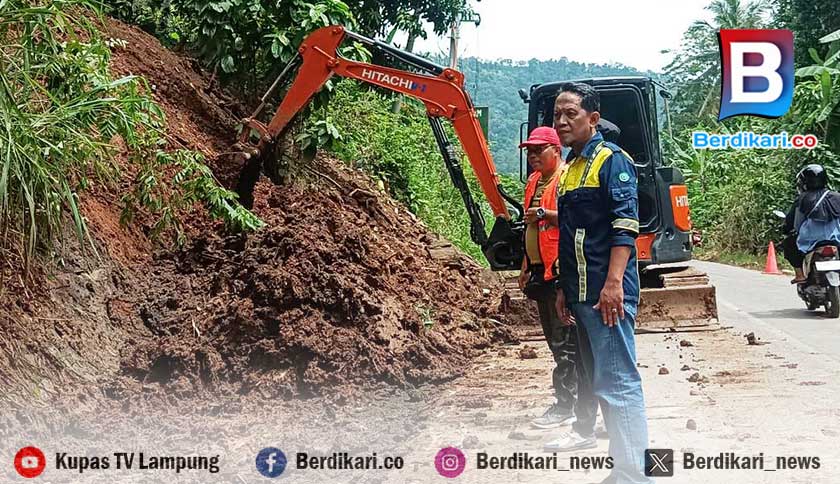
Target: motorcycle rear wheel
point(832, 306)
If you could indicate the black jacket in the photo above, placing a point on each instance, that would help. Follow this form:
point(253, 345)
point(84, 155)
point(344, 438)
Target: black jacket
point(827, 210)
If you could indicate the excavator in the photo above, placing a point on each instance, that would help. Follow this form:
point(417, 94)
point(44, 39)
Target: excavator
point(673, 296)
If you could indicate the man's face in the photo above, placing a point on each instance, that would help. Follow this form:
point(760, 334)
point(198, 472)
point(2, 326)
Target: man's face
point(574, 124)
point(543, 158)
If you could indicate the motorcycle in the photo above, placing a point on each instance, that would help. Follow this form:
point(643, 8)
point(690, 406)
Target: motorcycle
point(822, 271)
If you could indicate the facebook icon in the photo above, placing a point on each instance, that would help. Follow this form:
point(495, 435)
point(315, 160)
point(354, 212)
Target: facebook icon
point(271, 462)
point(757, 68)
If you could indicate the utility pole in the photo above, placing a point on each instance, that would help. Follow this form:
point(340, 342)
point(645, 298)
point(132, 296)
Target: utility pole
point(397, 104)
point(454, 33)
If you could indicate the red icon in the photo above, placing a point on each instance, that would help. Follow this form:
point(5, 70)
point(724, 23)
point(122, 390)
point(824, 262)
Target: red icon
point(30, 462)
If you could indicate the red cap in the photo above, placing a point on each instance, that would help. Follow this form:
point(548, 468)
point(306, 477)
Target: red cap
point(542, 135)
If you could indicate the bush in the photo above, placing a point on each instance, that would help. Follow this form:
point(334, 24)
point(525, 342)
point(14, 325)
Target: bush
point(400, 151)
point(734, 191)
point(245, 42)
point(62, 116)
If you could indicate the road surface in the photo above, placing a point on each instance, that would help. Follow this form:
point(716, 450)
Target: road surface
point(751, 301)
point(707, 393)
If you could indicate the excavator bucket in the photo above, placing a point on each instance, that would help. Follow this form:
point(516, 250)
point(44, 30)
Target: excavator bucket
point(678, 298)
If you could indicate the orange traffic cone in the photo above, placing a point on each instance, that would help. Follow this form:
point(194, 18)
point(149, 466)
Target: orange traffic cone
point(771, 267)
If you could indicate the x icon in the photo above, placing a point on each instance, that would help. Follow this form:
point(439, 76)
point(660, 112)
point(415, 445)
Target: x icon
point(659, 462)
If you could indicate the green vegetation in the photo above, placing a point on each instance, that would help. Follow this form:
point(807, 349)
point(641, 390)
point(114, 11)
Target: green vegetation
point(400, 151)
point(61, 120)
point(733, 191)
point(496, 84)
point(810, 20)
point(248, 42)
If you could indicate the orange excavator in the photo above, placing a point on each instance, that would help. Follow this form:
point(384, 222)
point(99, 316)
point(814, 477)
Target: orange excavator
point(440, 89)
point(666, 233)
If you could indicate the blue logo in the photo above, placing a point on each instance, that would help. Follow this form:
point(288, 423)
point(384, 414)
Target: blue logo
point(757, 68)
point(271, 462)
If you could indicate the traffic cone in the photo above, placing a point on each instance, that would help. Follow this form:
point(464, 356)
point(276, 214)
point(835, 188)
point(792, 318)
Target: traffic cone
point(771, 266)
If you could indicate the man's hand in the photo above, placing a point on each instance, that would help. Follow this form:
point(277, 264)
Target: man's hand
point(523, 278)
point(611, 299)
point(611, 303)
point(562, 310)
point(531, 215)
point(550, 216)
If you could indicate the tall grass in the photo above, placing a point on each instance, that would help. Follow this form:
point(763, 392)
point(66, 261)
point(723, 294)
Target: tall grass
point(62, 118)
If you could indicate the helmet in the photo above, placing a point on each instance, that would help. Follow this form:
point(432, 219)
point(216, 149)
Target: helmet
point(812, 177)
point(608, 130)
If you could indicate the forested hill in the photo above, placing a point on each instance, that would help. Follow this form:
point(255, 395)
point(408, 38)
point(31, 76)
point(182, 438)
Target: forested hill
point(495, 84)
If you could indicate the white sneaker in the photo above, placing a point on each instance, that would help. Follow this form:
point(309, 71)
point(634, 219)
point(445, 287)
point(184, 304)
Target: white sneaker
point(552, 418)
point(569, 441)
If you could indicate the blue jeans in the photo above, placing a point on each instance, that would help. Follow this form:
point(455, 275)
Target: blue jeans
point(608, 356)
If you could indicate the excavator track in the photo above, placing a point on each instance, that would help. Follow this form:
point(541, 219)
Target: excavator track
point(673, 298)
point(676, 298)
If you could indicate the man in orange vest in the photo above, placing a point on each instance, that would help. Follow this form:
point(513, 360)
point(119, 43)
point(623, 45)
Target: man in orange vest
point(536, 279)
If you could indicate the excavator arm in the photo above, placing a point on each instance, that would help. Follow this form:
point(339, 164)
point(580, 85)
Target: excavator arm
point(442, 92)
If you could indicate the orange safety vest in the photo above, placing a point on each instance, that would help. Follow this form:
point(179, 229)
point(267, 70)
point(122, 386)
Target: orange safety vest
point(548, 236)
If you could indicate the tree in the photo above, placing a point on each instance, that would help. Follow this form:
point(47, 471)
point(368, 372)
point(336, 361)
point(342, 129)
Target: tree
point(810, 20)
point(825, 74)
point(247, 42)
point(377, 17)
point(696, 66)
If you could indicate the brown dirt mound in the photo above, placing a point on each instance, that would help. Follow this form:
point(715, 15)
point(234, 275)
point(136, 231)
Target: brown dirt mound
point(343, 289)
point(200, 116)
point(339, 290)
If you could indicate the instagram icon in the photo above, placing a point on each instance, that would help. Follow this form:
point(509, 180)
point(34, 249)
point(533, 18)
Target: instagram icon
point(450, 462)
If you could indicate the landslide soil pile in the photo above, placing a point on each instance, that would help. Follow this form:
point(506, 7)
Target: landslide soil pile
point(342, 290)
point(337, 291)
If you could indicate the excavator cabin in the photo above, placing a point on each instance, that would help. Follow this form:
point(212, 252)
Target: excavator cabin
point(629, 103)
point(673, 294)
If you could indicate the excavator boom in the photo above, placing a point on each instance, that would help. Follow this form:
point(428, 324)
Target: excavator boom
point(678, 297)
point(442, 92)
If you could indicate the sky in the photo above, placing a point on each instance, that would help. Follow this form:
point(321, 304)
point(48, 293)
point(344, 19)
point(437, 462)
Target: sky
point(630, 32)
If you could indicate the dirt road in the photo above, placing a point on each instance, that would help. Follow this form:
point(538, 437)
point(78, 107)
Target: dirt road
point(779, 399)
point(755, 301)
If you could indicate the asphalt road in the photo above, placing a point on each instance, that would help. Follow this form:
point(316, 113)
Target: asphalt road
point(767, 304)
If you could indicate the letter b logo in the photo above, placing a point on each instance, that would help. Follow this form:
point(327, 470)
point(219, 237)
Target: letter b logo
point(757, 67)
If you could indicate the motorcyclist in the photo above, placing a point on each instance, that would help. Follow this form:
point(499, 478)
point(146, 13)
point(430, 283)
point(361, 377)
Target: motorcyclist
point(814, 218)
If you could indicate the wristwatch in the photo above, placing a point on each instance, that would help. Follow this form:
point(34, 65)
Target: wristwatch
point(540, 213)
